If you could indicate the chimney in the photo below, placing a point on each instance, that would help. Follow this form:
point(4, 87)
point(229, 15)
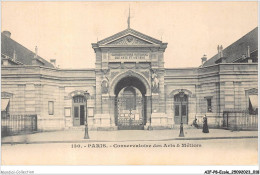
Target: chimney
point(36, 52)
point(203, 59)
point(249, 59)
point(224, 60)
point(248, 51)
point(221, 51)
point(7, 33)
point(14, 56)
point(53, 62)
point(218, 51)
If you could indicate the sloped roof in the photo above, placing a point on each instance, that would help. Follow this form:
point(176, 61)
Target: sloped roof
point(129, 31)
point(24, 55)
point(238, 48)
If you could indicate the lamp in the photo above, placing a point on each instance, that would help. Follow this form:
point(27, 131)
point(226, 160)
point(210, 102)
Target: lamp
point(181, 95)
point(86, 136)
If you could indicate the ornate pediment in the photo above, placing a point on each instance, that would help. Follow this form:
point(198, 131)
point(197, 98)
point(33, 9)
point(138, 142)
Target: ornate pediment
point(77, 92)
point(129, 36)
point(129, 40)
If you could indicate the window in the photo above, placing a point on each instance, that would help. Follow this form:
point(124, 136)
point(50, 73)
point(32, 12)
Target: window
point(51, 107)
point(177, 98)
point(79, 99)
point(253, 104)
point(177, 110)
point(209, 105)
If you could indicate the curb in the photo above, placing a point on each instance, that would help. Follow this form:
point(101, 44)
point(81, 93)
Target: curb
point(89, 140)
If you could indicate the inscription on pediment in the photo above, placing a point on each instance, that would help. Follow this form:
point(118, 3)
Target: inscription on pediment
point(129, 40)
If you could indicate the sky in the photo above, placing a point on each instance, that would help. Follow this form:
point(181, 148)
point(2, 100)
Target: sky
point(65, 30)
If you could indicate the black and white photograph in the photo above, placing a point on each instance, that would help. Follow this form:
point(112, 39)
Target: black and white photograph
point(130, 83)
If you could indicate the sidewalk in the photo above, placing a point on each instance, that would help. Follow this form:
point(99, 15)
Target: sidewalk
point(74, 136)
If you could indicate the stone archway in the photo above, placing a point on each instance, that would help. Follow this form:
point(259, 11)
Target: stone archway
point(129, 73)
point(133, 119)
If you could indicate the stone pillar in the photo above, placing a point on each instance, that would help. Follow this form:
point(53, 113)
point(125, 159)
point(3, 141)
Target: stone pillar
point(155, 103)
point(161, 93)
point(105, 104)
point(112, 110)
point(98, 94)
point(148, 109)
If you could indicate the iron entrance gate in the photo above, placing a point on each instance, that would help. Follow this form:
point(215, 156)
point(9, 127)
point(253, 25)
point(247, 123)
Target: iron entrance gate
point(130, 116)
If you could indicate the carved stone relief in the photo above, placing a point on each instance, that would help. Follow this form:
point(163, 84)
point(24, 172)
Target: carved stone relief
point(129, 40)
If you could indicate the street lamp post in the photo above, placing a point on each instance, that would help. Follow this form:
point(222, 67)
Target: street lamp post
point(181, 95)
point(86, 136)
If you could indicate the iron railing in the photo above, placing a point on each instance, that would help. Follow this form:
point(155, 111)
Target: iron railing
point(18, 124)
point(240, 120)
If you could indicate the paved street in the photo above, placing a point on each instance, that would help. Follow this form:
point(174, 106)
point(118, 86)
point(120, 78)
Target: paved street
point(189, 152)
point(125, 135)
point(161, 147)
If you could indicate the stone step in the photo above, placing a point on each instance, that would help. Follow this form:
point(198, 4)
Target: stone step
point(76, 128)
point(184, 127)
point(82, 128)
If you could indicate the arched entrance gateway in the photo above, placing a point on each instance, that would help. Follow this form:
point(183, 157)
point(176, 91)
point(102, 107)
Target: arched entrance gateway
point(129, 82)
point(130, 104)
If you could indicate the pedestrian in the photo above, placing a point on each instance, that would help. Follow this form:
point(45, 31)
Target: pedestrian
point(194, 123)
point(205, 125)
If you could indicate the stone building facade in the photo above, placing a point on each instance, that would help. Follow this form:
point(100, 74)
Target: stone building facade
point(129, 88)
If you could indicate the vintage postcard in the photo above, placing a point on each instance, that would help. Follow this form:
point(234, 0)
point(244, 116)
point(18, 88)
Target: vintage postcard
point(129, 83)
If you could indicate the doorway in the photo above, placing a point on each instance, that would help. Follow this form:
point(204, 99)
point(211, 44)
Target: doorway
point(180, 109)
point(79, 103)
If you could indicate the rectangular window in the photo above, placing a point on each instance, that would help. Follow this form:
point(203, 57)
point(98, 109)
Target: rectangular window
point(177, 112)
point(51, 107)
point(76, 111)
point(209, 106)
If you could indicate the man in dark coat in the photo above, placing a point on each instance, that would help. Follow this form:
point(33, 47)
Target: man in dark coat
point(205, 125)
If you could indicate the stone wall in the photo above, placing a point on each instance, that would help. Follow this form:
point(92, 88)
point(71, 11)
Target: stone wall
point(175, 80)
point(225, 84)
point(33, 87)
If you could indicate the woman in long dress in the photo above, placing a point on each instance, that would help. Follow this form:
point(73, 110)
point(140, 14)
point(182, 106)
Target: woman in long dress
point(205, 125)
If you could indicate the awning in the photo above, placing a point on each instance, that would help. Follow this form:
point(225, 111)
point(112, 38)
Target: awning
point(254, 101)
point(4, 103)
